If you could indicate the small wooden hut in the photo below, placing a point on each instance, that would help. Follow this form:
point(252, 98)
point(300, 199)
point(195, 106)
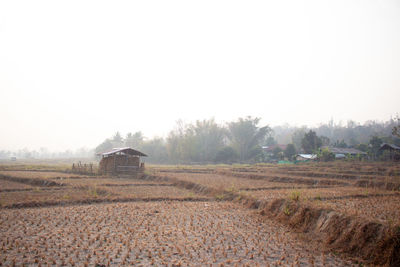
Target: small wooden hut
point(121, 161)
point(393, 151)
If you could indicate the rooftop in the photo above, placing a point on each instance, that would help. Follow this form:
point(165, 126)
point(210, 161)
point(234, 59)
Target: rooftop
point(123, 150)
point(340, 150)
point(390, 146)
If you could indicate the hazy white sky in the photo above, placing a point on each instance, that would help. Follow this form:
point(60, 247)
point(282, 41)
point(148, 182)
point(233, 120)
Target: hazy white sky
point(74, 72)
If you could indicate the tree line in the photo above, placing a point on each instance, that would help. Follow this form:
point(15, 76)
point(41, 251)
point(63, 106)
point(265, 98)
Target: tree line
point(244, 140)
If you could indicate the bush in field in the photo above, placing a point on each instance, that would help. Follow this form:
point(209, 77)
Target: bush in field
point(311, 142)
point(325, 155)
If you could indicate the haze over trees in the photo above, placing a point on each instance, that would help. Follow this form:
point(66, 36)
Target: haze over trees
point(243, 140)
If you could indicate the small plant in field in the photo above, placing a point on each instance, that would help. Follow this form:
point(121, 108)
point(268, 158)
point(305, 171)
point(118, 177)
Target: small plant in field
point(190, 195)
point(148, 172)
point(93, 191)
point(295, 196)
point(219, 197)
point(241, 195)
point(232, 189)
point(287, 210)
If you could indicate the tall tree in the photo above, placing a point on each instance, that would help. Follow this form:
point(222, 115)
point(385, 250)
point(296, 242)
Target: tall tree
point(117, 138)
point(181, 143)
point(156, 150)
point(290, 151)
point(209, 138)
point(270, 141)
point(297, 137)
point(134, 140)
point(311, 142)
point(325, 141)
point(375, 143)
point(396, 128)
point(105, 146)
point(245, 136)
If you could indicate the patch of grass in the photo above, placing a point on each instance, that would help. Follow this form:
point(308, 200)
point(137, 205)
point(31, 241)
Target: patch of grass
point(190, 195)
point(287, 210)
point(92, 191)
point(148, 172)
point(219, 197)
point(232, 189)
point(295, 196)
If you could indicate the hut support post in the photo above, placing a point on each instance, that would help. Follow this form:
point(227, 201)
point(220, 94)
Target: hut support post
point(115, 167)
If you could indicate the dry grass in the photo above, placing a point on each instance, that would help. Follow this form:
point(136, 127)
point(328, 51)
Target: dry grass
point(318, 193)
point(352, 188)
point(384, 209)
point(149, 192)
point(39, 174)
point(228, 182)
point(78, 189)
point(39, 196)
point(98, 181)
point(9, 185)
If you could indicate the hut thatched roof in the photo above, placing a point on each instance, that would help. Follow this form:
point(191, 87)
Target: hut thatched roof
point(123, 150)
point(385, 146)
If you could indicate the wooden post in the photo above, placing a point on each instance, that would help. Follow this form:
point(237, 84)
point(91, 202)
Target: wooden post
point(114, 164)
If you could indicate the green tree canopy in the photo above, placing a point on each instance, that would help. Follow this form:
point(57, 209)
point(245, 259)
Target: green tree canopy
point(199, 142)
point(310, 142)
point(290, 151)
point(245, 136)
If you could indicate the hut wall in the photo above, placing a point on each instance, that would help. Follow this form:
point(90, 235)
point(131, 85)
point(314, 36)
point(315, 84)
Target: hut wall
point(122, 160)
point(107, 164)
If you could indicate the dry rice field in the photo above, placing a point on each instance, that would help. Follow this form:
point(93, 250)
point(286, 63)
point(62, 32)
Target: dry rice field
point(369, 190)
point(156, 233)
point(190, 215)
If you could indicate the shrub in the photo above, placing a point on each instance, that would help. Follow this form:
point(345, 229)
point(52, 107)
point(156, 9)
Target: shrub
point(325, 155)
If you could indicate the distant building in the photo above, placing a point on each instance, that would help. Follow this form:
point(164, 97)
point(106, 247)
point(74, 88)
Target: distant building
point(121, 160)
point(13, 158)
point(393, 151)
point(270, 149)
point(306, 157)
point(344, 152)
